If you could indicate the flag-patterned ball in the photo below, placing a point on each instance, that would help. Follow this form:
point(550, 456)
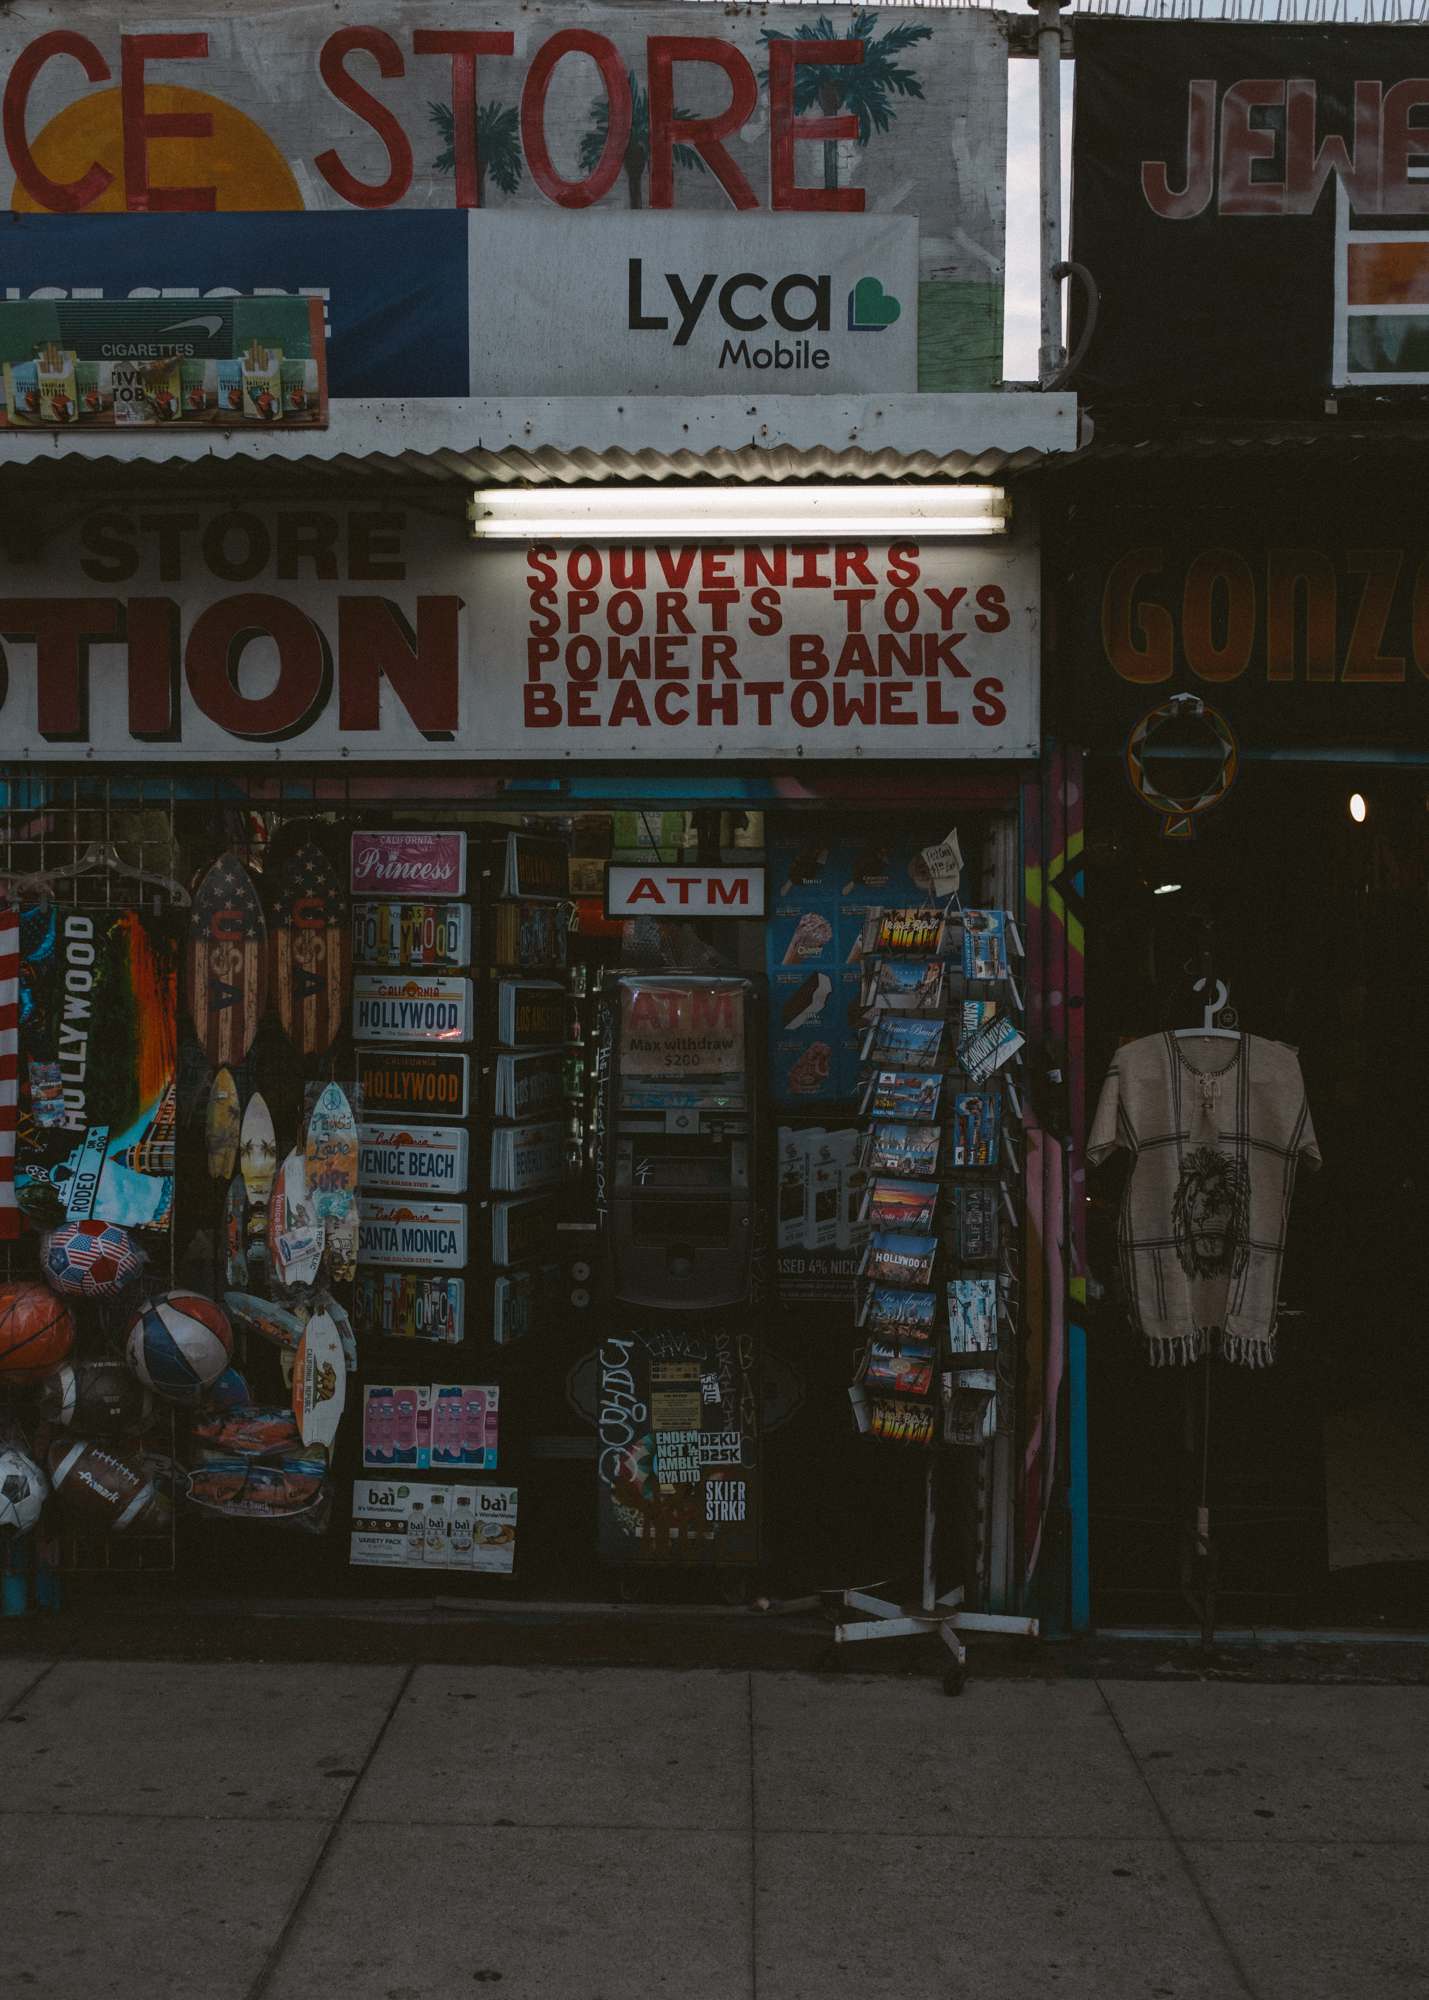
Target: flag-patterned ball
point(90, 1259)
point(179, 1344)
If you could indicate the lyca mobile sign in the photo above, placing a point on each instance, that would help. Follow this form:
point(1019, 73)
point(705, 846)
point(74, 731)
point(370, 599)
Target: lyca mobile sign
point(301, 633)
point(701, 304)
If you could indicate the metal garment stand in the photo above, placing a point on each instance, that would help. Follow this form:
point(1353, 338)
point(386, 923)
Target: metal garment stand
point(942, 1615)
point(1200, 1569)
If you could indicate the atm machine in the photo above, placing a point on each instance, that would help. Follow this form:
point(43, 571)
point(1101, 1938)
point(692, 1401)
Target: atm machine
point(681, 1137)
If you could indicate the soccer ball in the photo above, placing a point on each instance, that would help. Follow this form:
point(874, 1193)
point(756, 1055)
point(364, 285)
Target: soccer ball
point(22, 1492)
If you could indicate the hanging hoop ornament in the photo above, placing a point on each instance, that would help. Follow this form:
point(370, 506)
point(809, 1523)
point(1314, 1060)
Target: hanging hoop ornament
point(1216, 747)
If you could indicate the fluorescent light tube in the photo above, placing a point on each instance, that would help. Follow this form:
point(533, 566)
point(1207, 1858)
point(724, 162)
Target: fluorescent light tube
point(736, 513)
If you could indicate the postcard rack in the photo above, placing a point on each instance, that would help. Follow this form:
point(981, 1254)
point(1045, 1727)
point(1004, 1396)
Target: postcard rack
point(938, 1291)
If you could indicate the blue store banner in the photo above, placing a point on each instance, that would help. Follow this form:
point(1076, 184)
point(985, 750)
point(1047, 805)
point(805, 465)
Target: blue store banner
point(394, 285)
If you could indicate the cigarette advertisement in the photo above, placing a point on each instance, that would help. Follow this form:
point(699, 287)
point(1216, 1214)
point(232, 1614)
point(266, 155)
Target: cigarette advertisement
point(119, 364)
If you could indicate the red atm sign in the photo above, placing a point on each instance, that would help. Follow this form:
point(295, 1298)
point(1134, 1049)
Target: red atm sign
point(638, 890)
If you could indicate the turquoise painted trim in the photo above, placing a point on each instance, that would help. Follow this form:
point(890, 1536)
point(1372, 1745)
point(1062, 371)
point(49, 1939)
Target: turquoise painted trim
point(1078, 1484)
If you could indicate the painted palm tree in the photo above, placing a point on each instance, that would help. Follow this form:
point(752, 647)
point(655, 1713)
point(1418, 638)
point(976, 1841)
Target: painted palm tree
point(863, 88)
point(498, 146)
point(637, 147)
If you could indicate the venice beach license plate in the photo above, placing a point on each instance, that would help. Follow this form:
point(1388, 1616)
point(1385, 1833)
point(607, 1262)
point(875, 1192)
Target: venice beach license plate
point(413, 1159)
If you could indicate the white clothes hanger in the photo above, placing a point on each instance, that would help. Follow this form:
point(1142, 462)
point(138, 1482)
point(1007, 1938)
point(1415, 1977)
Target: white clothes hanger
point(100, 857)
point(1208, 1016)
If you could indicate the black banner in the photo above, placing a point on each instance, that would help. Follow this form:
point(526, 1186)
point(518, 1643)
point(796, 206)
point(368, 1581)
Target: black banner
point(1253, 206)
point(1300, 613)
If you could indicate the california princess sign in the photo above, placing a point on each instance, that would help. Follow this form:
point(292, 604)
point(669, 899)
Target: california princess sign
point(372, 633)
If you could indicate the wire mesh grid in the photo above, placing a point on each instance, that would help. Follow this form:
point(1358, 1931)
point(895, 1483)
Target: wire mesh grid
point(87, 849)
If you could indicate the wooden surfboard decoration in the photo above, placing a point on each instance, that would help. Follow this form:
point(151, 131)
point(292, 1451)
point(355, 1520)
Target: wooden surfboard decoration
point(319, 1381)
point(226, 962)
point(257, 1151)
point(295, 1231)
point(312, 950)
point(221, 1127)
point(332, 1155)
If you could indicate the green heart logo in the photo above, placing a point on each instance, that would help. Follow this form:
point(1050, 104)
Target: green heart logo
point(870, 308)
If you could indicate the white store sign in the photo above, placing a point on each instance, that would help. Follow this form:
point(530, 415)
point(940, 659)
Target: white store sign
point(694, 304)
point(637, 890)
point(183, 635)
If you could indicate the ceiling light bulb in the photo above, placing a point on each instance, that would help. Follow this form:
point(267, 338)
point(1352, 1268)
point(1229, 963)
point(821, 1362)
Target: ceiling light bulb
point(1358, 809)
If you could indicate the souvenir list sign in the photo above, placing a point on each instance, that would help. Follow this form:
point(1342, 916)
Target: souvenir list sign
point(374, 633)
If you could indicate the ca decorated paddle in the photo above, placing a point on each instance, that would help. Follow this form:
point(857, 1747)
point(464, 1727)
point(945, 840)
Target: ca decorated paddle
point(221, 1127)
point(312, 950)
point(226, 962)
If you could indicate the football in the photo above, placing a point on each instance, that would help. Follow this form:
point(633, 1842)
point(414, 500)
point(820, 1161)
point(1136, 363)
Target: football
point(96, 1398)
point(22, 1492)
point(101, 1489)
point(36, 1332)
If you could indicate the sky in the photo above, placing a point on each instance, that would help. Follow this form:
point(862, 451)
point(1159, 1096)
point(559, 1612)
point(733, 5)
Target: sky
point(1021, 326)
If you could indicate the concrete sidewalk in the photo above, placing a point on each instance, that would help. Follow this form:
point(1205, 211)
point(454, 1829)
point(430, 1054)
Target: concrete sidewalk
point(252, 1832)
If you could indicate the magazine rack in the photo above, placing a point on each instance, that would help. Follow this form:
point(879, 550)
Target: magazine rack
point(934, 1613)
point(943, 1203)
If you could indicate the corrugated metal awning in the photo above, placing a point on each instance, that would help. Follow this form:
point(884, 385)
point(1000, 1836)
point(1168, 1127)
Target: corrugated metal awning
point(477, 442)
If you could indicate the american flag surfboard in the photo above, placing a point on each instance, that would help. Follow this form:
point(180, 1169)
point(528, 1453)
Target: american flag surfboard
point(9, 1066)
point(226, 962)
point(312, 950)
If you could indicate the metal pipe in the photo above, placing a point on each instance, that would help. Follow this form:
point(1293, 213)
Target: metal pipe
point(1052, 354)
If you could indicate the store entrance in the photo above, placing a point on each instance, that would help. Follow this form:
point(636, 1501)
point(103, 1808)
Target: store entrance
point(474, 1027)
point(1313, 921)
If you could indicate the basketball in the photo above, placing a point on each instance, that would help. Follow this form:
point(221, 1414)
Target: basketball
point(36, 1332)
point(90, 1260)
point(22, 1492)
point(102, 1489)
point(96, 1398)
point(179, 1344)
point(229, 1392)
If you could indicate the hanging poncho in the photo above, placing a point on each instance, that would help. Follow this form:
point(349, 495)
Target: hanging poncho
point(1216, 1130)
